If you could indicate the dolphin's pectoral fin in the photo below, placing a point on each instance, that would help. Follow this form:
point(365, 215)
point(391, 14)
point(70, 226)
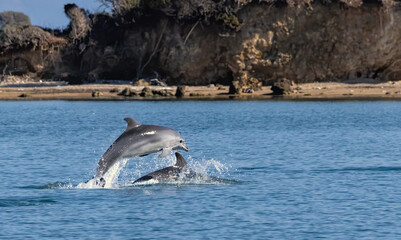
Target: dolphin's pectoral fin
point(131, 123)
point(165, 152)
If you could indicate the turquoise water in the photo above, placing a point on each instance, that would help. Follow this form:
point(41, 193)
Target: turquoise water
point(297, 170)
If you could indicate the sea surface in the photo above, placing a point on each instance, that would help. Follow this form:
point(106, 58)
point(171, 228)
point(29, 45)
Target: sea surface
point(289, 170)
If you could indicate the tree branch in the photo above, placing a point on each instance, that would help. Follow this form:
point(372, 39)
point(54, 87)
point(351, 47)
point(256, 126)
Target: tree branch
point(189, 33)
point(155, 49)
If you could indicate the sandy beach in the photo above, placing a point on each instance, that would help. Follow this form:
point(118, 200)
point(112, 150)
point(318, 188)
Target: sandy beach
point(322, 90)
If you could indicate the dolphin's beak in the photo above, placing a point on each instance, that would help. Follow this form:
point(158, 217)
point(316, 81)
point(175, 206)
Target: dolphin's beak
point(184, 146)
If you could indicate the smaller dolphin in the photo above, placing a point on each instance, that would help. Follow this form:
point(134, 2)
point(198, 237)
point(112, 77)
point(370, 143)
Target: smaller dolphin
point(170, 173)
point(179, 171)
point(138, 140)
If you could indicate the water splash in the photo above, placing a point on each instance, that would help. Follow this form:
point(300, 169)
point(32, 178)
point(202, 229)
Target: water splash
point(204, 172)
point(124, 173)
point(212, 167)
point(111, 177)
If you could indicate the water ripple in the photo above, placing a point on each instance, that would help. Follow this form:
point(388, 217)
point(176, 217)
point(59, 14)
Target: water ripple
point(364, 169)
point(23, 202)
point(55, 185)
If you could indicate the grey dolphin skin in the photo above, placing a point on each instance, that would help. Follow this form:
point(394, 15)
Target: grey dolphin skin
point(171, 173)
point(139, 140)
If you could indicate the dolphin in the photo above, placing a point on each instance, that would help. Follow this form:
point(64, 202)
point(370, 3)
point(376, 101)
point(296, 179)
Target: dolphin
point(139, 140)
point(170, 173)
point(179, 171)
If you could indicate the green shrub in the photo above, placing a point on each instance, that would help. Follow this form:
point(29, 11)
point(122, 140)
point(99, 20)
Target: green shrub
point(230, 20)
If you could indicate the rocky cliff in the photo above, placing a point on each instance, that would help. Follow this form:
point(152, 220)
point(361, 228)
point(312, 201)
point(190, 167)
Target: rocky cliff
point(252, 43)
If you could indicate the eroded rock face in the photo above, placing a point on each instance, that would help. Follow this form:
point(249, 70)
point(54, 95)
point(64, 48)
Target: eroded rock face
point(235, 87)
point(28, 49)
point(314, 42)
point(304, 45)
point(321, 42)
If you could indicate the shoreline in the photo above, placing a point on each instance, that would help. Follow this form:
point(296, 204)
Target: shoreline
point(320, 91)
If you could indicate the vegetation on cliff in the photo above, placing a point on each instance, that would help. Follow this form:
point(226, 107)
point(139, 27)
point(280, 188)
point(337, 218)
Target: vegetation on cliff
point(204, 41)
point(13, 18)
point(25, 48)
point(19, 37)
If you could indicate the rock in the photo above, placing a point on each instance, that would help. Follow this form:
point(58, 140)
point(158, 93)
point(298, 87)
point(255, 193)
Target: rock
point(211, 86)
point(24, 95)
point(254, 84)
point(114, 90)
point(162, 93)
point(282, 86)
point(126, 92)
point(156, 82)
point(235, 87)
point(146, 92)
point(248, 90)
point(141, 82)
point(151, 82)
point(181, 91)
point(97, 93)
point(196, 95)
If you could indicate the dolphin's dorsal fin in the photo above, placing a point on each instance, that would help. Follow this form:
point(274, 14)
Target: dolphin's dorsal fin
point(131, 123)
point(180, 160)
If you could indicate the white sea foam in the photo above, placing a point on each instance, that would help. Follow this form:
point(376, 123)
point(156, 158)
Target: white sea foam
point(207, 172)
point(120, 177)
point(210, 166)
point(111, 177)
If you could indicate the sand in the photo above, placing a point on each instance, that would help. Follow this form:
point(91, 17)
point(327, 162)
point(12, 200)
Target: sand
point(352, 90)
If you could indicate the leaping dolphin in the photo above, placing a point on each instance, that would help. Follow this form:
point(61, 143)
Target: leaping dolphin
point(139, 140)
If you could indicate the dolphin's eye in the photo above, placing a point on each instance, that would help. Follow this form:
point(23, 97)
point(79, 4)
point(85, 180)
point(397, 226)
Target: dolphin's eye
point(181, 141)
